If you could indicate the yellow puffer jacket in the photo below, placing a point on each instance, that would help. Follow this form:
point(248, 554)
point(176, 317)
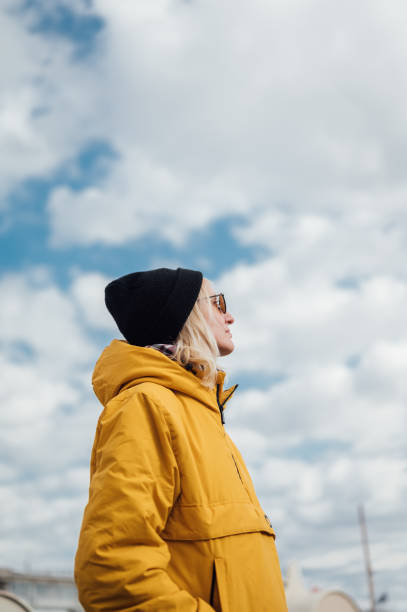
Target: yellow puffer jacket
point(173, 522)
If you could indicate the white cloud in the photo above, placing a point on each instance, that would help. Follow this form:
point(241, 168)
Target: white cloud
point(33, 401)
point(256, 120)
point(49, 418)
point(87, 289)
point(39, 316)
point(139, 196)
point(252, 443)
point(44, 121)
point(346, 246)
point(285, 320)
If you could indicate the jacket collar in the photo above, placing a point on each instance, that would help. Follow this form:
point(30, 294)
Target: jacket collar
point(122, 365)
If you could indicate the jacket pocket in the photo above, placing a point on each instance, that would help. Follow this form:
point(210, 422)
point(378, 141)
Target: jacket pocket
point(219, 595)
point(210, 521)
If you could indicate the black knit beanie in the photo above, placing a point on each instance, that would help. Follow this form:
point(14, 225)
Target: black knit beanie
point(151, 307)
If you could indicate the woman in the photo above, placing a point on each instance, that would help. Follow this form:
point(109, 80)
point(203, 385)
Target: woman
point(172, 522)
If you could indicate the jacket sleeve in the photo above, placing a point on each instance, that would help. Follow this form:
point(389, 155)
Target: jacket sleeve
point(121, 561)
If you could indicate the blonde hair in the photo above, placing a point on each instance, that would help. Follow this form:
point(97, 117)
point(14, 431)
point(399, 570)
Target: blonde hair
point(196, 346)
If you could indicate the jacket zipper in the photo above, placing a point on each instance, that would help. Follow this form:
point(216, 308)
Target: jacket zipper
point(237, 468)
point(220, 406)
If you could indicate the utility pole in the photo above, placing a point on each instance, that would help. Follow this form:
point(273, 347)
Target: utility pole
point(368, 566)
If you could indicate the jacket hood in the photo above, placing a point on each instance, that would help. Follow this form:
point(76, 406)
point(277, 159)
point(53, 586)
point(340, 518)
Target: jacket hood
point(122, 365)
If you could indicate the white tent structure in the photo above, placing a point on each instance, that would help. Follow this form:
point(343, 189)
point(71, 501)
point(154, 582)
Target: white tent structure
point(300, 599)
point(37, 592)
point(12, 603)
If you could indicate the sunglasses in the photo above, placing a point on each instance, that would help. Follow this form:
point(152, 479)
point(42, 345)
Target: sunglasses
point(219, 300)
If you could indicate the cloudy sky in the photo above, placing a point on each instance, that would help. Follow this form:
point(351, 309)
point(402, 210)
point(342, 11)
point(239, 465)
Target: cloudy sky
point(265, 143)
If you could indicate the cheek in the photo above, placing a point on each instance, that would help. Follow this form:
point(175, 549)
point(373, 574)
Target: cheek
point(220, 324)
point(220, 331)
point(216, 327)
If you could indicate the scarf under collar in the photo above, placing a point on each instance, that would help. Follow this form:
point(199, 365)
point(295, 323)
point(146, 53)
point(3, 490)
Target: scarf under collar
point(165, 349)
point(169, 351)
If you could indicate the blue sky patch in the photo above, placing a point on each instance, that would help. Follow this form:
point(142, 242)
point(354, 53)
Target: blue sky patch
point(18, 351)
point(313, 450)
point(214, 249)
point(25, 225)
point(57, 19)
point(259, 380)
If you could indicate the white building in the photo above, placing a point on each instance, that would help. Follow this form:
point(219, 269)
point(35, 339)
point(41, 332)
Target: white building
point(46, 593)
point(37, 592)
point(300, 599)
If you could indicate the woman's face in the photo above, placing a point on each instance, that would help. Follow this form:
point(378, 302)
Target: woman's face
point(218, 322)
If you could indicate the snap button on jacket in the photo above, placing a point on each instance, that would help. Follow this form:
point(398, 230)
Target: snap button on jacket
point(173, 522)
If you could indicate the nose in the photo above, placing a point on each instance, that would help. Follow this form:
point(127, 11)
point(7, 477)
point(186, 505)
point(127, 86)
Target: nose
point(229, 318)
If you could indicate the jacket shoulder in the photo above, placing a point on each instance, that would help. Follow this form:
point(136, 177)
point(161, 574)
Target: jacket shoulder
point(147, 392)
point(143, 407)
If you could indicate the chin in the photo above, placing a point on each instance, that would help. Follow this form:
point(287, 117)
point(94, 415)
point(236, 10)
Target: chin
point(226, 349)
